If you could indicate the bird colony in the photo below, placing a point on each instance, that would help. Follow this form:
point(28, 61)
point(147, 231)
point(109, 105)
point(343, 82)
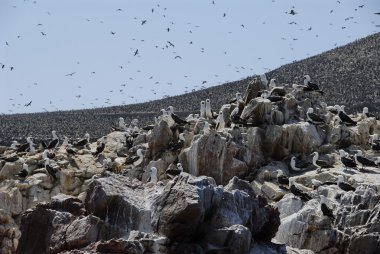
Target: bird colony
point(274, 170)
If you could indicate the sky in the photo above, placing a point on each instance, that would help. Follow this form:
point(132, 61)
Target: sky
point(74, 54)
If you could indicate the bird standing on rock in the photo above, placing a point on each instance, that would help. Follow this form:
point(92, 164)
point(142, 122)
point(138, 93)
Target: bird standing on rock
point(325, 209)
point(100, 147)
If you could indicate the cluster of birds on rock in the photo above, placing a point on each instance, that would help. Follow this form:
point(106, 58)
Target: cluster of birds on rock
point(134, 153)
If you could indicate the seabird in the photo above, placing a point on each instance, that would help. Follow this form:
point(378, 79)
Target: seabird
point(220, 124)
point(24, 172)
point(174, 146)
point(55, 142)
point(237, 98)
point(14, 145)
point(100, 147)
point(203, 110)
point(375, 142)
point(206, 128)
point(272, 98)
point(281, 178)
point(347, 162)
point(50, 169)
point(46, 154)
point(208, 109)
point(309, 86)
point(82, 142)
point(343, 185)
point(314, 118)
point(10, 158)
point(293, 164)
point(69, 150)
point(366, 113)
point(362, 161)
point(153, 175)
point(28, 145)
point(171, 172)
point(140, 158)
point(325, 209)
point(236, 113)
point(297, 192)
point(344, 117)
point(272, 84)
point(315, 158)
point(175, 117)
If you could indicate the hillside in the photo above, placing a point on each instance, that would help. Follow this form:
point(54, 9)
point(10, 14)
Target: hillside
point(348, 75)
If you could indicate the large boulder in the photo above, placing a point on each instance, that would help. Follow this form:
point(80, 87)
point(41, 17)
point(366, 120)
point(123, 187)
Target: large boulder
point(212, 156)
point(160, 138)
point(257, 112)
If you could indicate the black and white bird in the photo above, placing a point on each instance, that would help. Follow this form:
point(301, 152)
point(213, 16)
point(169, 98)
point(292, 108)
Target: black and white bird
point(343, 185)
point(24, 172)
point(344, 118)
point(346, 161)
point(100, 147)
point(203, 110)
point(298, 192)
point(208, 112)
point(81, 143)
point(237, 98)
point(175, 117)
point(69, 149)
point(177, 145)
point(272, 98)
point(174, 171)
point(314, 118)
point(51, 171)
point(374, 142)
point(11, 158)
point(282, 178)
point(55, 141)
point(297, 165)
point(47, 154)
point(309, 86)
point(363, 161)
point(325, 209)
point(28, 146)
point(366, 113)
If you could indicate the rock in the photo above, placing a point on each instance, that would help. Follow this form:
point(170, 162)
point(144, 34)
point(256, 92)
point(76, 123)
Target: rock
point(272, 191)
point(234, 239)
point(160, 138)
point(210, 155)
point(10, 200)
point(115, 246)
point(254, 155)
point(257, 112)
point(9, 233)
point(253, 88)
point(9, 170)
point(115, 141)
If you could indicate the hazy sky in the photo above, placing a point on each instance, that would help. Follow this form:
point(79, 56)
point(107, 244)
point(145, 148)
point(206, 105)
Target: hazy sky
point(95, 41)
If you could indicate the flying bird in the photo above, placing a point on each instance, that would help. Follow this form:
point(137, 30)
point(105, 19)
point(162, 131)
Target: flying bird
point(28, 104)
point(70, 74)
point(136, 52)
point(143, 22)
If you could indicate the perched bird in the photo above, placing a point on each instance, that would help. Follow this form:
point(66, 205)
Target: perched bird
point(175, 146)
point(100, 147)
point(82, 142)
point(347, 162)
point(24, 172)
point(172, 172)
point(362, 161)
point(12, 158)
point(282, 178)
point(375, 142)
point(50, 169)
point(293, 164)
point(309, 86)
point(297, 192)
point(343, 185)
point(175, 117)
point(314, 118)
point(220, 123)
point(55, 142)
point(325, 209)
point(47, 154)
point(203, 110)
point(366, 113)
point(344, 118)
point(70, 150)
point(139, 159)
point(208, 109)
point(315, 158)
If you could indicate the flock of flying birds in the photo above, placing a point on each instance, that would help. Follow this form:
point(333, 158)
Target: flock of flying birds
point(17, 103)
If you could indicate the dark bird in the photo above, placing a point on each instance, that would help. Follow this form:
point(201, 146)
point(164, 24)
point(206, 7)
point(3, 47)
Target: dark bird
point(9, 158)
point(143, 22)
point(309, 86)
point(70, 74)
point(71, 151)
point(54, 143)
point(363, 161)
point(82, 142)
point(50, 169)
point(314, 118)
point(325, 209)
point(282, 179)
point(378, 13)
point(175, 117)
point(168, 29)
point(346, 161)
point(366, 113)
point(375, 142)
point(345, 118)
point(136, 52)
point(297, 192)
point(100, 148)
point(11, 68)
point(28, 104)
point(224, 15)
point(343, 185)
point(170, 44)
point(179, 57)
point(24, 172)
point(292, 12)
point(47, 154)
point(43, 33)
point(177, 145)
